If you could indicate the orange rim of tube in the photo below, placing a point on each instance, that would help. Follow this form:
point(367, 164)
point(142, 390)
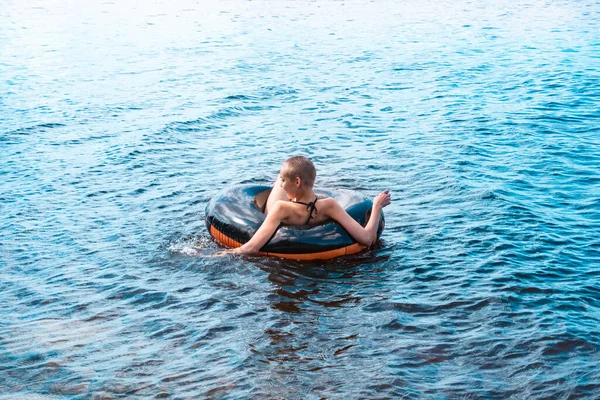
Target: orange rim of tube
point(321, 255)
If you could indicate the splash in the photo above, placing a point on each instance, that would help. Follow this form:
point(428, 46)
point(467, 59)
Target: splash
point(193, 246)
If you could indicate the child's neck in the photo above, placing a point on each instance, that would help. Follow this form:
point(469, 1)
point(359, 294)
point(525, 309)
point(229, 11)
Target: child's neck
point(305, 196)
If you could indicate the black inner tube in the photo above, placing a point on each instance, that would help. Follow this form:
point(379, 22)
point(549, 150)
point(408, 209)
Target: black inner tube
point(236, 214)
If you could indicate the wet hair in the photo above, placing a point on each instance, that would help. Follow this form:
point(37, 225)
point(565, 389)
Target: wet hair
point(303, 168)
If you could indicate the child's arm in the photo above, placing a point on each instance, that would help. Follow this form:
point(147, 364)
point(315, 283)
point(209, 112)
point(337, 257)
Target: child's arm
point(266, 230)
point(367, 235)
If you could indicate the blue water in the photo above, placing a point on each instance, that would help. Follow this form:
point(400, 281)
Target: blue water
point(119, 121)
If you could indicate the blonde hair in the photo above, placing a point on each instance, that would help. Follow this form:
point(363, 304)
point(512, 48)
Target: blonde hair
point(303, 168)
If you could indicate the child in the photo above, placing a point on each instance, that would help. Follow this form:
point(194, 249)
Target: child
point(293, 202)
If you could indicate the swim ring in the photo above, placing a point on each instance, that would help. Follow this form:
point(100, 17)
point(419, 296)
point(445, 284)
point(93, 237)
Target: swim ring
point(233, 217)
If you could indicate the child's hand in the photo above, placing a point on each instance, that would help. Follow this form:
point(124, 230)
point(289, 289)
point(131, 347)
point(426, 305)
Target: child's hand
point(225, 253)
point(232, 251)
point(382, 199)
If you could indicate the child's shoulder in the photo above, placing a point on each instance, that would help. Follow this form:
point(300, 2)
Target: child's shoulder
point(327, 203)
point(326, 200)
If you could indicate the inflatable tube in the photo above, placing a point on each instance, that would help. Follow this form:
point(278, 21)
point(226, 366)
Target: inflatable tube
point(233, 217)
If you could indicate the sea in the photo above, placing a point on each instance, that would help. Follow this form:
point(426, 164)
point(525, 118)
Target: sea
point(121, 120)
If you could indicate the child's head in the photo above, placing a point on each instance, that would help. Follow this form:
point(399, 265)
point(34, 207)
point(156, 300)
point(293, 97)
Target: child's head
point(300, 167)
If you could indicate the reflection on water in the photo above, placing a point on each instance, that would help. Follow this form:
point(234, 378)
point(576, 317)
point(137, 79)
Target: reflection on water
point(121, 122)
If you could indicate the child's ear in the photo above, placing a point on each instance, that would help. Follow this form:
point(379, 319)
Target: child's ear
point(297, 181)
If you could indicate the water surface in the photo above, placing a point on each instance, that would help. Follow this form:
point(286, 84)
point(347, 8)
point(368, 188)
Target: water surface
point(119, 121)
